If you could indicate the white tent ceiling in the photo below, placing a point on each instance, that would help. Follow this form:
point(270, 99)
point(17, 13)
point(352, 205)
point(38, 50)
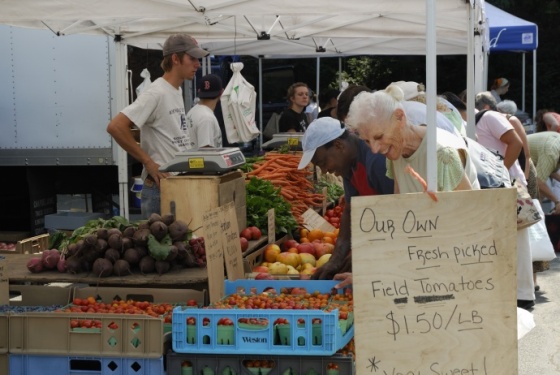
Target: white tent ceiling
point(286, 28)
point(294, 27)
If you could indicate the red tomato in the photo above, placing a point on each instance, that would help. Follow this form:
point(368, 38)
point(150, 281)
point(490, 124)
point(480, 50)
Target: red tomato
point(334, 220)
point(338, 210)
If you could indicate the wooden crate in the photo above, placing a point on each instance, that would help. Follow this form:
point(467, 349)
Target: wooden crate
point(189, 197)
point(33, 245)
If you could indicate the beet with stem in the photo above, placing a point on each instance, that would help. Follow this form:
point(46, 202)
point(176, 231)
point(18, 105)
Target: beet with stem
point(102, 267)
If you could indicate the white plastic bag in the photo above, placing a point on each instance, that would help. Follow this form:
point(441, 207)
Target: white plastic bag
point(239, 101)
point(525, 322)
point(541, 246)
point(145, 83)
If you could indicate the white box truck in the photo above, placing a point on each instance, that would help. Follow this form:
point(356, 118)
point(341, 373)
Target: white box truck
point(56, 99)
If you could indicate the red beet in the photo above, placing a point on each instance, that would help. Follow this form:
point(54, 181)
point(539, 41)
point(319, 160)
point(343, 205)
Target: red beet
point(50, 258)
point(61, 265)
point(35, 265)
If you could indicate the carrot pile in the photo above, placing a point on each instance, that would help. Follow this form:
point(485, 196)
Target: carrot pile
point(295, 187)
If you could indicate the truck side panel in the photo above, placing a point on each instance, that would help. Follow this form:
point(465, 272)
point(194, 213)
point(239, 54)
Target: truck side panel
point(55, 100)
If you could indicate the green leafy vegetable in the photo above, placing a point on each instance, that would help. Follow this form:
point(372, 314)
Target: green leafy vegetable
point(159, 250)
point(261, 197)
point(334, 191)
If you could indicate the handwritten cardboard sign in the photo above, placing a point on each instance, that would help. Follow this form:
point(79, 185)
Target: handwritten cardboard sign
point(312, 220)
point(4, 282)
point(232, 246)
point(214, 254)
point(434, 283)
point(221, 238)
point(271, 226)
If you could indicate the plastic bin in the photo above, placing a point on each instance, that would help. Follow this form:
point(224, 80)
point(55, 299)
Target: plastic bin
point(305, 339)
point(22, 364)
point(120, 336)
point(70, 220)
point(237, 364)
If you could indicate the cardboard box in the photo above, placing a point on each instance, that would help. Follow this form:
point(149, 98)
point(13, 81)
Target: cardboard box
point(52, 333)
point(33, 245)
point(70, 220)
point(256, 257)
point(189, 197)
point(4, 364)
point(155, 295)
point(39, 295)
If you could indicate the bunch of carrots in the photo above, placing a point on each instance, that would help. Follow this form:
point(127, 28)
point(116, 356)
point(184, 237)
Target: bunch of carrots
point(295, 187)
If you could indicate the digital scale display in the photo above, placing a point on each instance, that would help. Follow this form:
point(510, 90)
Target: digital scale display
point(291, 139)
point(206, 161)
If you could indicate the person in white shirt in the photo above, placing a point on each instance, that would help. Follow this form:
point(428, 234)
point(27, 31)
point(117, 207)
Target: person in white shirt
point(159, 113)
point(203, 126)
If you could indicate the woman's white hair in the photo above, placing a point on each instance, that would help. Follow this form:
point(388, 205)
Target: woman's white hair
point(369, 107)
point(507, 106)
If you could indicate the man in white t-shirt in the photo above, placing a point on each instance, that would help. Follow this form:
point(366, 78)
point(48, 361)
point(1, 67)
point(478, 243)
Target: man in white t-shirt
point(159, 112)
point(203, 126)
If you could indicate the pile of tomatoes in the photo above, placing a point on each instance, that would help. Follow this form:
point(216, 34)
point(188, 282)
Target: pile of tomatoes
point(91, 306)
point(333, 215)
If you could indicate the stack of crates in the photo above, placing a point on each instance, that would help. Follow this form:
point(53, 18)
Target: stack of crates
point(306, 343)
point(54, 343)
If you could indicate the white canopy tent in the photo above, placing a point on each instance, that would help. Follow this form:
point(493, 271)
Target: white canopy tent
point(272, 28)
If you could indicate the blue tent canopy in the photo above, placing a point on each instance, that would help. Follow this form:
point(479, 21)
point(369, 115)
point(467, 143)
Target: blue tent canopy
point(508, 32)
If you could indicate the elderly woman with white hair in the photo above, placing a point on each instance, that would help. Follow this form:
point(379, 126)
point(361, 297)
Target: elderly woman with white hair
point(380, 120)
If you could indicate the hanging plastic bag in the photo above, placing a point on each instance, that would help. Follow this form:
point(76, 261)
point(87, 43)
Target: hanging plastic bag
point(145, 83)
point(541, 246)
point(238, 103)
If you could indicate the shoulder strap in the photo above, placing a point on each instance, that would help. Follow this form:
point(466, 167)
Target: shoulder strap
point(479, 115)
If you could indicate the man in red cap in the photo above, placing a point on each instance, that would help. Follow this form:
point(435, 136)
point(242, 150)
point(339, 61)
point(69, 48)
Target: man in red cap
point(159, 112)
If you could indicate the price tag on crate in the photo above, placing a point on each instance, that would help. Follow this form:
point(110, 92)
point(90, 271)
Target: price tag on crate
point(271, 227)
point(444, 282)
point(312, 220)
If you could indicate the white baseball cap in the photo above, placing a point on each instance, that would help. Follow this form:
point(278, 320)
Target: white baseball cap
point(318, 133)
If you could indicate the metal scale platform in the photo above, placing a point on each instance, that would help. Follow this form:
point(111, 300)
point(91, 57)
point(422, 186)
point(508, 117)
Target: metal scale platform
point(205, 161)
point(280, 139)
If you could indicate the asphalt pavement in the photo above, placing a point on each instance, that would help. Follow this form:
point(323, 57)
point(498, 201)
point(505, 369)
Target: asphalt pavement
point(539, 350)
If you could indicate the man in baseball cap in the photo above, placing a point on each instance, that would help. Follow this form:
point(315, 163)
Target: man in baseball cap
point(332, 148)
point(204, 128)
point(183, 43)
point(159, 112)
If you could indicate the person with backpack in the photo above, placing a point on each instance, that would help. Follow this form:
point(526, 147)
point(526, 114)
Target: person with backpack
point(494, 131)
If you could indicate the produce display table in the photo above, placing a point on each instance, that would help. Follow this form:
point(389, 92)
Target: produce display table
point(192, 278)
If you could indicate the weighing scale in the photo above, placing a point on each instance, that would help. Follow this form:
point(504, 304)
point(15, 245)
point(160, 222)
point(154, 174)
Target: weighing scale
point(205, 161)
point(280, 139)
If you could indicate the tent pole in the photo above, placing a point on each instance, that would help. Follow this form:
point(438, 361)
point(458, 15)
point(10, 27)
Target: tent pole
point(523, 82)
point(534, 84)
point(121, 62)
point(260, 104)
point(318, 74)
point(470, 75)
point(340, 73)
point(431, 92)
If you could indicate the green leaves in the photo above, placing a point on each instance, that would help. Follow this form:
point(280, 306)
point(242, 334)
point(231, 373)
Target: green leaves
point(261, 197)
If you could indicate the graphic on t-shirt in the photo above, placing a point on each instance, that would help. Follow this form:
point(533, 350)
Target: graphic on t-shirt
point(183, 122)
